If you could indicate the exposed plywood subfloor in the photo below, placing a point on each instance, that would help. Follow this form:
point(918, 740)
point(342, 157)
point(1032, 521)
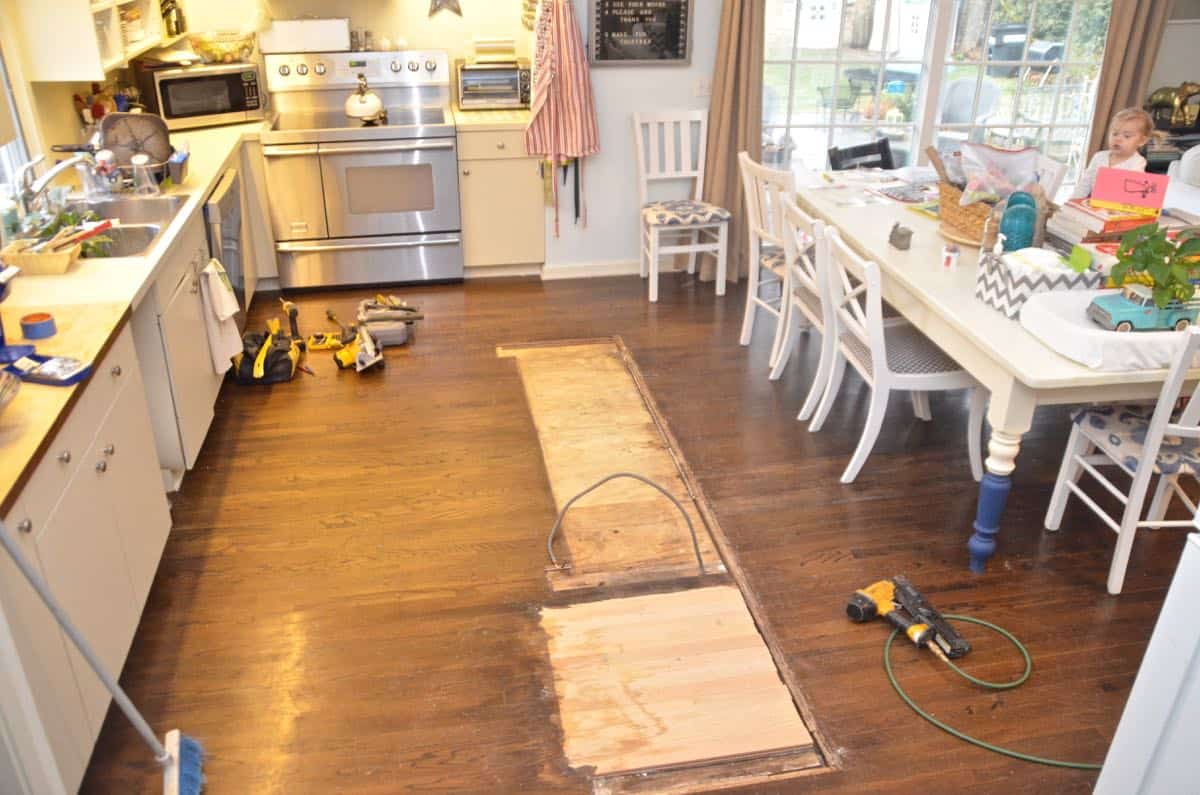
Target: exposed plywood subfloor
point(651, 682)
point(592, 421)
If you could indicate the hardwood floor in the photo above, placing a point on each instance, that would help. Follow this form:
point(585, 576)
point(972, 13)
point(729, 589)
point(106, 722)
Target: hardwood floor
point(347, 602)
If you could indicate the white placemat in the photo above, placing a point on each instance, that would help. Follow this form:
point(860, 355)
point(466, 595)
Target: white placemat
point(1059, 320)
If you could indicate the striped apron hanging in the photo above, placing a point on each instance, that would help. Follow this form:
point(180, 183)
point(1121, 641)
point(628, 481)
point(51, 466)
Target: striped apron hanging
point(562, 126)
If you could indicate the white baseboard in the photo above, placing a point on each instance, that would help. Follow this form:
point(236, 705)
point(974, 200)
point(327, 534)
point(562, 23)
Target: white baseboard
point(502, 271)
point(590, 270)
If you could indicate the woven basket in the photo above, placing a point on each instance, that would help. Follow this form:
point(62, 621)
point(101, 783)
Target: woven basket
point(968, 221)
point(42, 263)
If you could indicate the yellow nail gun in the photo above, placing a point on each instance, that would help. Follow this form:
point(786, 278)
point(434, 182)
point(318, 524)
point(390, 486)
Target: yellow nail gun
point(902, 605)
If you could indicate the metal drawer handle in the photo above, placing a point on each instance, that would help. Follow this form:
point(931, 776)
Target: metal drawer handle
point(195, 286)
point(309, 248)
point(101, 466)
point(270, 151)
point(65, 456)
point(109, 449)
point(354, 149)
point(25, 526)
point(116, 371)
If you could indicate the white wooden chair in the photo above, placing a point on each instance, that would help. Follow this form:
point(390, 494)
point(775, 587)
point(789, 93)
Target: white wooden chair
point(1141, 441)
point(806, 250)
point(1187, 168)
point(889, 355)
point(765, 189)
point(672, 147)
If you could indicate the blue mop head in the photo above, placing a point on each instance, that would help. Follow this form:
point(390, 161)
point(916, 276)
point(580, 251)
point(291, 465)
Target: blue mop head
point(184, 774)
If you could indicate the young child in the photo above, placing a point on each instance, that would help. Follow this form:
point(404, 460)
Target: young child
point(1130, 130)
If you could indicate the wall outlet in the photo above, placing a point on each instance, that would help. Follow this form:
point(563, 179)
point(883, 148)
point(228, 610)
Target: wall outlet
point(702, 87)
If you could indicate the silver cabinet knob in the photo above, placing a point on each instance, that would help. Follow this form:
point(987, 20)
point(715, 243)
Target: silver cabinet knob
point(116, 371)
point(466, 172)
point(195, 285)
point(101, 466)
point(65, 456)
point(501, 145)
point(25, 526)
point(109, 449)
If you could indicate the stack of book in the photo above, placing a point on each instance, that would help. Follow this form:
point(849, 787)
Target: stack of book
point(1081, 221)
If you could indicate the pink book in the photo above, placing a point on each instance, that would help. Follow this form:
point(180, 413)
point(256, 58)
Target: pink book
point(1132, 191)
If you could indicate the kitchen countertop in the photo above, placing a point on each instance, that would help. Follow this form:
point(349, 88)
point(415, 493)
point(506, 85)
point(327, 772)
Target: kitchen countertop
point(490, 120)
point(90, 304)
point(36, 413)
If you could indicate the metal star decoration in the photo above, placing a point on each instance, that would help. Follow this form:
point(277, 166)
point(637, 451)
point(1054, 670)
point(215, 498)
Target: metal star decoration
point(444, 5)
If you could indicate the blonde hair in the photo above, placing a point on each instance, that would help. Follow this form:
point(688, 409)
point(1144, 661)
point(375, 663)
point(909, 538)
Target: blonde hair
point(1138, 115)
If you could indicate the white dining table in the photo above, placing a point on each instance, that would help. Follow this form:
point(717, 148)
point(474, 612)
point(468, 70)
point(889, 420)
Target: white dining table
point(1019, 372)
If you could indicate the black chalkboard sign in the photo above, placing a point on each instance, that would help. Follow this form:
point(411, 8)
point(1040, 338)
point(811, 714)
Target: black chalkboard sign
point(645, 32)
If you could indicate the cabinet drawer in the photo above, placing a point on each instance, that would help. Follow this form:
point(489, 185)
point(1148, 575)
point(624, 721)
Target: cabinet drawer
point(65, 452)
point(491, 145)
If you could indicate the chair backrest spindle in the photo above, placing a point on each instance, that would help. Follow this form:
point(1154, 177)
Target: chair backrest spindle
point(670, 146)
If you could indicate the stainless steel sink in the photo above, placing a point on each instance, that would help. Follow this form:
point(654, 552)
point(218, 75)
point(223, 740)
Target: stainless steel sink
point(127, 240)
point(132, 210)
point(141, 222)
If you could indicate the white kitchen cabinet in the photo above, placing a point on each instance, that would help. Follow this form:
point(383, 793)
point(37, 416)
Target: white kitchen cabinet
point(256, 219)
point(68, 40)
point(84, 565)
point(500, 191)
point(92, 519)
point(176, 363)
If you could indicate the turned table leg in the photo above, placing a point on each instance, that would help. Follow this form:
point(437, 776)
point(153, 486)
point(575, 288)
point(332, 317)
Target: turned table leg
point(1010, 414)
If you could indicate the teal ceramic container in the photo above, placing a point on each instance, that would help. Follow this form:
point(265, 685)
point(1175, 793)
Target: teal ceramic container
point(1022, 198)
point(1017, 225)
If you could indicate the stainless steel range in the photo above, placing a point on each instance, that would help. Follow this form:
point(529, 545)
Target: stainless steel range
point(356, 202)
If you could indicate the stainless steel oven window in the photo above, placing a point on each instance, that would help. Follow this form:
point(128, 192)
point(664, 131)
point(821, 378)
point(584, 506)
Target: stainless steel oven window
point(390, 189)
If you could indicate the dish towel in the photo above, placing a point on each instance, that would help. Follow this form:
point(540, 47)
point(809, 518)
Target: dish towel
point(220, 308)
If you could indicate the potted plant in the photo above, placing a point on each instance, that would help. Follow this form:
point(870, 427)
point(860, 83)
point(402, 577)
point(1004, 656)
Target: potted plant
point(1171, 265)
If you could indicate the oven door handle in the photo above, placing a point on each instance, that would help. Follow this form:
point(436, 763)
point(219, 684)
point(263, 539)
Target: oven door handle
point(309, 248)
point(289, 150)
point(359, 149)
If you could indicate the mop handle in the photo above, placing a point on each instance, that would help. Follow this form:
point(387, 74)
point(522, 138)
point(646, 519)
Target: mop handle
point(131, 712)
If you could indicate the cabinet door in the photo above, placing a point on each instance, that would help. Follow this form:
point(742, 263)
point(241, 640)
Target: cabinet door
point(42, 649)
point(81, 556)
point(194, 385)
point(503, 215)
point(126, 446)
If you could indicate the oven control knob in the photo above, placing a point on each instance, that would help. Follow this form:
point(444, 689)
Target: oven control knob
point(285, 70)
point(414, 66)
point(430, 66)
point(319, 68)
point(396, 67)
point(302, 69)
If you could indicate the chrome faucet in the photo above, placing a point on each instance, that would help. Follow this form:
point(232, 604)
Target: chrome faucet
point(32, 188)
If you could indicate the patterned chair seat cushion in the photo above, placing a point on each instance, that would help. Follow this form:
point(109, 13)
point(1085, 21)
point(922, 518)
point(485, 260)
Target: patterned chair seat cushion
point(683, 212)
point(772, 259)
point(1121, 432)
point(909, 352)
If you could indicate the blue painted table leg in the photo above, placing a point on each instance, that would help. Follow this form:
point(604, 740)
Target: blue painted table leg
point(993, 494)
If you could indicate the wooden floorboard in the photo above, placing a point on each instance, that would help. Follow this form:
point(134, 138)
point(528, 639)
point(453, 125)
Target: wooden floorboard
point(347, 602)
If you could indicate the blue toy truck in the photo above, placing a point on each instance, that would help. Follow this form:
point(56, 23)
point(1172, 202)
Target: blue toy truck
point(1133, 309)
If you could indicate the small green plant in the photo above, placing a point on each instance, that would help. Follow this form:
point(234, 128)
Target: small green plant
point(1171, 265)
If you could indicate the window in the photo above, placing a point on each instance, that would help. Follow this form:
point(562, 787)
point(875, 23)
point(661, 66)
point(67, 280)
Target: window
point(12, 147)
point(1023, 73)
point(842, 72)
point(1009, 72)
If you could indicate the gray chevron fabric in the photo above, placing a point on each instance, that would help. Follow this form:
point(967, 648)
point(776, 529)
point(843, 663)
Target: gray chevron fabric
point(997, 287)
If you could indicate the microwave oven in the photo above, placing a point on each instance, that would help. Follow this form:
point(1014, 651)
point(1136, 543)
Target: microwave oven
point(203, 95)
point(493, 85)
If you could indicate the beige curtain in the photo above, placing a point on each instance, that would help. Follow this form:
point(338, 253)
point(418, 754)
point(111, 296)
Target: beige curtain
point(734, 121)
point(1135, 31)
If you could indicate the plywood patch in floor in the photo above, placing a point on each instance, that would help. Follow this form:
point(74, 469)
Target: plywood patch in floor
point(671, 681)
point(592, 420)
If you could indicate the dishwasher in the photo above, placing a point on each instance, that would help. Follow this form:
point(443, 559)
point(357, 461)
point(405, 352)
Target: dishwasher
point(227, 239)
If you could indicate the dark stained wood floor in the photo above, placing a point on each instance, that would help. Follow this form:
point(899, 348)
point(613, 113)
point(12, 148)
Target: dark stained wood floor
point(347, 602)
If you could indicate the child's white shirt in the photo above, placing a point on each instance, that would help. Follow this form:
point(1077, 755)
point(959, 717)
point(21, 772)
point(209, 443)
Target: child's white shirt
point(1083, 188)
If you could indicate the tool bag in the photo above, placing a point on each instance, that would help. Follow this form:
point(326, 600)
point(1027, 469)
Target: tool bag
point(266, 358)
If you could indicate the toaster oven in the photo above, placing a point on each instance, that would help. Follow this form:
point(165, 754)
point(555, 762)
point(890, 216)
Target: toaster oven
point(493, 85)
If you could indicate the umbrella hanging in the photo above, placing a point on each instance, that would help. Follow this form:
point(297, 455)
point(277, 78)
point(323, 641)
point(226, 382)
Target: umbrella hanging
point(563, 124)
